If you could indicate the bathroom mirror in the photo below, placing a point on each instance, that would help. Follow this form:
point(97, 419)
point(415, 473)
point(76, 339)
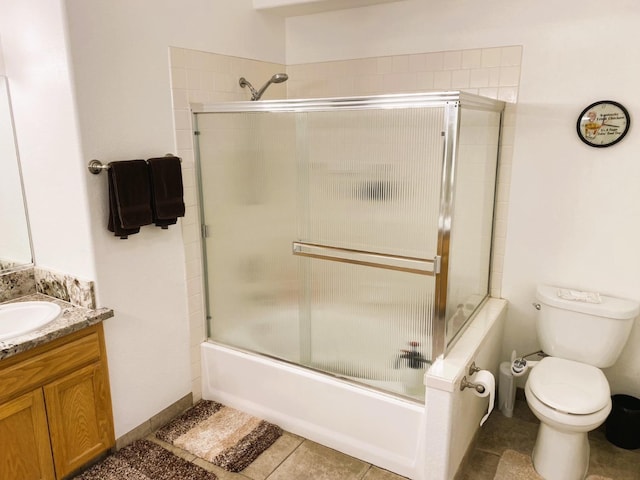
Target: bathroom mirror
point(15, 242)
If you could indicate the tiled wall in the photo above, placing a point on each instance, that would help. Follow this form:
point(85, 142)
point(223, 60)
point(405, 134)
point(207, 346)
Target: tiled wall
point(201, 77)
point(491, 72)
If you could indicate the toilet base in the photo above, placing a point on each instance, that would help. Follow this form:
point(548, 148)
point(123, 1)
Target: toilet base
point(561, 455)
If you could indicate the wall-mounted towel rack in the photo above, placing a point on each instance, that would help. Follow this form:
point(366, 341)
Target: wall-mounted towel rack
point(96, 166)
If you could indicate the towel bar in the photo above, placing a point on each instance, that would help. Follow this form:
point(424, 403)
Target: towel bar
point(96, 166)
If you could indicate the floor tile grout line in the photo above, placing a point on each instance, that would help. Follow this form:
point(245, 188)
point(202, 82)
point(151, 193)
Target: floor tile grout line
point(286, 457)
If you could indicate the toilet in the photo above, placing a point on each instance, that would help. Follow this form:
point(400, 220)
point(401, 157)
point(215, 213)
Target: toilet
point(567, 391)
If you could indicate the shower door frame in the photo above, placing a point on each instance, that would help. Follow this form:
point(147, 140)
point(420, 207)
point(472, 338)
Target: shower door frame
point(452, 101)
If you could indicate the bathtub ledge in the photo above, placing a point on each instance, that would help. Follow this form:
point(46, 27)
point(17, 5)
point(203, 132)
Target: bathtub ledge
point(445, 373)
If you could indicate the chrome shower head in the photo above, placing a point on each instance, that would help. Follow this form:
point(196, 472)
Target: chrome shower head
point(255, 95)
point(279, 78)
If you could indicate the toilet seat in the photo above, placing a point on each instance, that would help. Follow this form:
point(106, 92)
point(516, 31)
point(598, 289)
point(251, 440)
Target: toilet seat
point(568, 386)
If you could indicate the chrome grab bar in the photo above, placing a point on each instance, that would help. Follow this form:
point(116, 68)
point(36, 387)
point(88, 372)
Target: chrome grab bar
point(421, 266)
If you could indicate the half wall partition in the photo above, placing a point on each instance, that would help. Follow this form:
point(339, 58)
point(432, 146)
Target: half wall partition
point(348, 235)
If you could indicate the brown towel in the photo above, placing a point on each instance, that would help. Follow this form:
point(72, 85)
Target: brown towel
point(129, 197)
point(166, 190)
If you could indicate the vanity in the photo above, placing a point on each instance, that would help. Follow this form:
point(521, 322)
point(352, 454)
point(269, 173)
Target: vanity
point(55, 401)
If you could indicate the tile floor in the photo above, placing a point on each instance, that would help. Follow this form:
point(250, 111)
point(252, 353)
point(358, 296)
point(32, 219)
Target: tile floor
point(296, 458)
point(519, 433)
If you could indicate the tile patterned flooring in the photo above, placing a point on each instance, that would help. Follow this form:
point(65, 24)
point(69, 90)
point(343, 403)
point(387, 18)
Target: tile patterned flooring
point(519, 433)
point(295, 458)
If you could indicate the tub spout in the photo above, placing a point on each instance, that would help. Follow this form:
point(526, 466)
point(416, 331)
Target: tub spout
point(411, 358)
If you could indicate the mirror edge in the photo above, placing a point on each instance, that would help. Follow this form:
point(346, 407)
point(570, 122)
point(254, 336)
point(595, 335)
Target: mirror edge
point(4, 83)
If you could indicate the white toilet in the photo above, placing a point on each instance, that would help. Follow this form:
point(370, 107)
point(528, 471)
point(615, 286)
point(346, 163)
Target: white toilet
point(567, 391)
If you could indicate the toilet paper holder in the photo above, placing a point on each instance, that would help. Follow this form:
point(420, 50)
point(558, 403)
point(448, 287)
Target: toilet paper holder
point(467, 384)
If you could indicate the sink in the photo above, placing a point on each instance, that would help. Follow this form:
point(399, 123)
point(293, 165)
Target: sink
point(23, 317)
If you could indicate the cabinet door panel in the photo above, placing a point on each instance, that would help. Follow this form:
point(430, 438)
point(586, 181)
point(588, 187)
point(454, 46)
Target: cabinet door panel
point(25, 452)
point(79, 410)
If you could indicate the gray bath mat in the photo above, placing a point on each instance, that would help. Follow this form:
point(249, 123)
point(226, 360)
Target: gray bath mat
point(221, 435)
point(145, 460)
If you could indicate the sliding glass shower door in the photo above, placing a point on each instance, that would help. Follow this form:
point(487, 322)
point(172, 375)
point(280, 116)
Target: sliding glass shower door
point(326, 242)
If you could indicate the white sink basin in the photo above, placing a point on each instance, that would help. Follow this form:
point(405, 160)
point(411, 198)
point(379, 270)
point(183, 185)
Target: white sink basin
point(23, 317)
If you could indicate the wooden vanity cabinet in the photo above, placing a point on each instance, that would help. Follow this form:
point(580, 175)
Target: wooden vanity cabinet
point(55, 407)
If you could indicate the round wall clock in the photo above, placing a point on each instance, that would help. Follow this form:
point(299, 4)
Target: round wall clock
point(603, 123)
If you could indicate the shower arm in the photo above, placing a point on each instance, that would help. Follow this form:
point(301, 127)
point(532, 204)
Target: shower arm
point(258, 95)
point(254, 93)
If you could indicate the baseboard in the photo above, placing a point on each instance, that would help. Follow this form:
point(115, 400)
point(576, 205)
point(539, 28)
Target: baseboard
point(155, 422)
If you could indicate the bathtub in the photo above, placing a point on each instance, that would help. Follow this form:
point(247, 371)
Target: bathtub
point(422, 441)
point(338, 345)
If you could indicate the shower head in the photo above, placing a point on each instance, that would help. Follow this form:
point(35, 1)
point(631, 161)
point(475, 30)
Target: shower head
point(255, 95)
point(279, 78)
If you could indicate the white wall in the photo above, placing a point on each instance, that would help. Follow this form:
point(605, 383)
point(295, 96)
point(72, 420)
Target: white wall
point(36, 63)
point(92, 81)
point(574, 210)
point(120, 57)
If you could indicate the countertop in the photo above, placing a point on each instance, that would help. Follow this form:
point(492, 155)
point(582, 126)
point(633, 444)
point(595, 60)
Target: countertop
point(71, 319)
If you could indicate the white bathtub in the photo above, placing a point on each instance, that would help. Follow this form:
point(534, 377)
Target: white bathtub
point(381, 429)
point(337, 345)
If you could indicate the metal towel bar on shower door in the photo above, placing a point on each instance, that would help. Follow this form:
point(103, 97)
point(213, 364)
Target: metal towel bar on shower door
point(421, 266)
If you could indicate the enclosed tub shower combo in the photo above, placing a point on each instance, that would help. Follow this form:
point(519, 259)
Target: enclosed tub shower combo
point(347, 245)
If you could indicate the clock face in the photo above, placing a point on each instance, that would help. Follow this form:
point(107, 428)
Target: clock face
point(603, 124)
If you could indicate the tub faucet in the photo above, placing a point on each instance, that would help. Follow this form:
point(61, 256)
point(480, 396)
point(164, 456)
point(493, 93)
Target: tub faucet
point(411, 358)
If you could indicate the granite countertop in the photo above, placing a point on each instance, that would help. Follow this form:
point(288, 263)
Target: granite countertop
point(71, 319)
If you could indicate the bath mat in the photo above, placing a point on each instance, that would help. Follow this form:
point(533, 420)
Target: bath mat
point(517, 466)
point(145, 460)
point(221, 435)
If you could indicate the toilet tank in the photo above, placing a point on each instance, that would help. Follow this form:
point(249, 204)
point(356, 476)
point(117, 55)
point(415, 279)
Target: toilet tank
point(591, 333)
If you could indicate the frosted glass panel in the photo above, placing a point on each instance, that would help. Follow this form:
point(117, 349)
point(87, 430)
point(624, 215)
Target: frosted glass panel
point(370, 179)
point(472, 219)
point(249, 192)
point(365, 323)
point(363, 180)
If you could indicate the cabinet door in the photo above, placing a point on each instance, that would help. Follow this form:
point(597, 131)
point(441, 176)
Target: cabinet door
point(25, 452)
point(79, 410)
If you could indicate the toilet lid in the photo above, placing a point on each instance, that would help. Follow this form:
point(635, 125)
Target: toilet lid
point(569, 386)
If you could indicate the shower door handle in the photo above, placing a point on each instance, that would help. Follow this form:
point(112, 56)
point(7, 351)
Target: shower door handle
point(422, 266)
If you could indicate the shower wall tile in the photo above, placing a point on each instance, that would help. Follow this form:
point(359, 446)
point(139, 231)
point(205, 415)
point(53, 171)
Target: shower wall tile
point(452, 60)
point(491, 57)
point(468, 70)
point(471, 59)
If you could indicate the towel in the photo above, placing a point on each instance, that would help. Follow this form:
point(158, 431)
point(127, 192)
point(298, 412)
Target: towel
point(167, 192)
point(129, 197)
point(578, 296)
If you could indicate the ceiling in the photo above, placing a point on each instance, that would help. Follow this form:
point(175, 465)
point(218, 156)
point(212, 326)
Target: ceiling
point(293, 8)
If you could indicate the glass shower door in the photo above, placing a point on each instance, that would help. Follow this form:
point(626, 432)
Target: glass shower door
point(249, 202)
point(322, 232)
point(369, 186)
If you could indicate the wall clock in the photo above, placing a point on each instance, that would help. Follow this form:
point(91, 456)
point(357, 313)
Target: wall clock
point(603, 123)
